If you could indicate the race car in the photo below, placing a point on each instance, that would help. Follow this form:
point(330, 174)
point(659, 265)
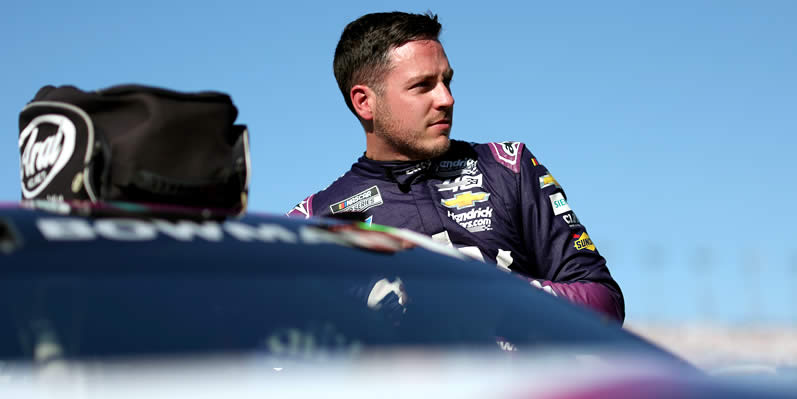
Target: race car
point(110, 299)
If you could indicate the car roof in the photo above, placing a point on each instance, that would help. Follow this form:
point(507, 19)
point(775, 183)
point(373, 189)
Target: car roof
point(263, 243)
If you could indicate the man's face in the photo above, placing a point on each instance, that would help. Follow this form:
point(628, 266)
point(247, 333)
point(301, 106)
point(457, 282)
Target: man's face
point(413, 112)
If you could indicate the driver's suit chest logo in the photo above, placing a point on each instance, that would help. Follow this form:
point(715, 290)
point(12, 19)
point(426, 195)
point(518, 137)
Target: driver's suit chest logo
point(465, 200)
point(462, 193)
point(359, 202)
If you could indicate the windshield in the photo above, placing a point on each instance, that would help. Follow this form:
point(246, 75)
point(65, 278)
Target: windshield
point(96, 315)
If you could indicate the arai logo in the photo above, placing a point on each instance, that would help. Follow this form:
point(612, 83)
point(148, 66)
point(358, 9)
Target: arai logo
point(43, 157)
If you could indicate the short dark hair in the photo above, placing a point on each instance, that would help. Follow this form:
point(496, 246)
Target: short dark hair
point(363, 52)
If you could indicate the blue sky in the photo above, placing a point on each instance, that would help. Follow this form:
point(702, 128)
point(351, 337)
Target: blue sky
point(671, 126)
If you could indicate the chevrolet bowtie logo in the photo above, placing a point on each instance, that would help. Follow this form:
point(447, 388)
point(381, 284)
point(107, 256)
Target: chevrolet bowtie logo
point(465, 200)
point(548, 180)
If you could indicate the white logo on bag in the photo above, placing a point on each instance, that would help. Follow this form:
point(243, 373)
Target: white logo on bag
point(41, 160)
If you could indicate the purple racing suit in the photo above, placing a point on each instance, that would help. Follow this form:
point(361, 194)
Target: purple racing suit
point(492, 201)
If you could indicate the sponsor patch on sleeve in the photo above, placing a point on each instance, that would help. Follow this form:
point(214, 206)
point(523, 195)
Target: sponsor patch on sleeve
point(583, 242)
point(559, 203)
point(548, 180)
point(572, 220)
point(359, 202)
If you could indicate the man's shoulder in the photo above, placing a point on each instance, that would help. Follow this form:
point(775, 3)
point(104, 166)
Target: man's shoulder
point(335, 197)
point(504, 153)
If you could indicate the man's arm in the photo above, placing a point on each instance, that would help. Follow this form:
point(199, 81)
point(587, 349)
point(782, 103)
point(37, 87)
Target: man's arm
point(567, 260)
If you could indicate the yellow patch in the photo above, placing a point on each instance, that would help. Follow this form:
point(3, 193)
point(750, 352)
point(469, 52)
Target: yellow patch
point(548, 180)
point(584, 242)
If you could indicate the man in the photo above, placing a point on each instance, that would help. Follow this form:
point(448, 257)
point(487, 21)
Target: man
point(492, 201)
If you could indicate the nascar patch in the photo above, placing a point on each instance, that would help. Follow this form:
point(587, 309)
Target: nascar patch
point(359, 202)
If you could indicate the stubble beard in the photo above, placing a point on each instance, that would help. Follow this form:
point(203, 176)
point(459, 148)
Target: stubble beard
point(405, 141)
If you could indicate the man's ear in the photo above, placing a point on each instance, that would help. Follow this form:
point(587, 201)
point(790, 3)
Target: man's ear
point(362, 98)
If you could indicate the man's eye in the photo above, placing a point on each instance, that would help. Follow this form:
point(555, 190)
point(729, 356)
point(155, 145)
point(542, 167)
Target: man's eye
point(425, 84)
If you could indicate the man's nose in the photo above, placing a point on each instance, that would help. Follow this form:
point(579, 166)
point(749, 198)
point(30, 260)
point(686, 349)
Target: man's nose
point(443, 97)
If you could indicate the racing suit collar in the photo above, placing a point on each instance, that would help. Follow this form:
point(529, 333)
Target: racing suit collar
point(405, 173)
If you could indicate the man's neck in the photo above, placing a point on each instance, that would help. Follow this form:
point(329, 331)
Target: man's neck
point(377, 149)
